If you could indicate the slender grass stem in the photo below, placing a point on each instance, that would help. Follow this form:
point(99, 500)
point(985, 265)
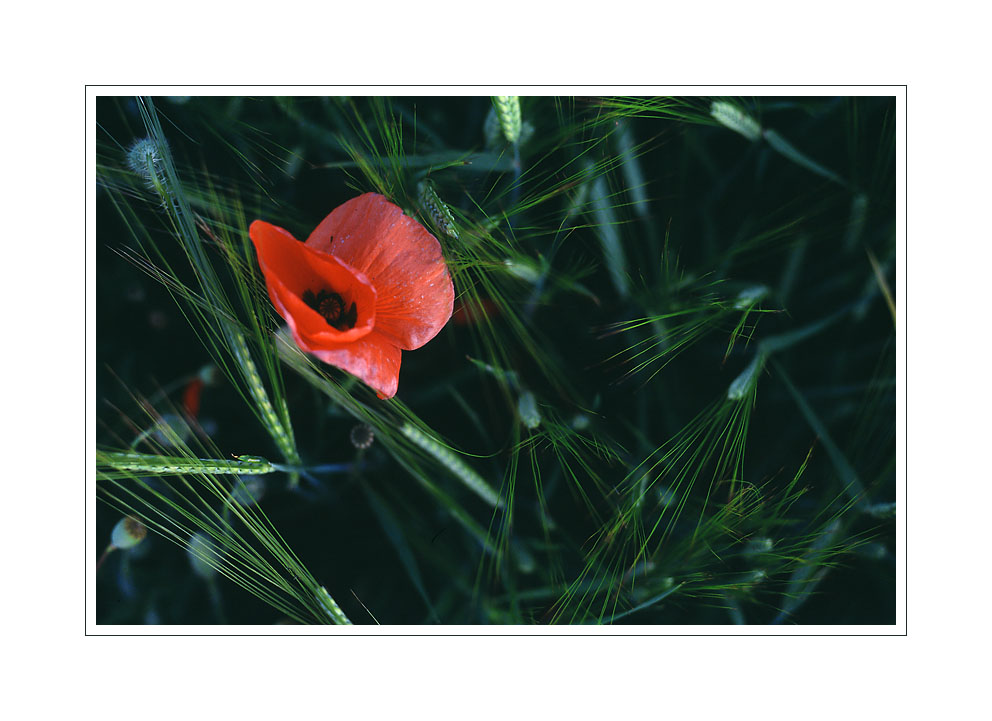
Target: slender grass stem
point(103, 557)
point(167, 185)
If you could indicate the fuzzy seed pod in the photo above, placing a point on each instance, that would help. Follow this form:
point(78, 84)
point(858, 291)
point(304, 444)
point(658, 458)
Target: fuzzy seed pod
point(145, 160)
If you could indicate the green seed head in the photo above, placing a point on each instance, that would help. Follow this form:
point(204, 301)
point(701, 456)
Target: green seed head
point(755, 546)
point(730, 116)
point(436, 209)
point(528, 411)
point(750, 296)
point(508, 112)
point(745, 382)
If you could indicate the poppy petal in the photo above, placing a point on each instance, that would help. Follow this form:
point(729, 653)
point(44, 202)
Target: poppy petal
point(373, 359)
point(291, 269)
point(402, 260)
point(307, 326)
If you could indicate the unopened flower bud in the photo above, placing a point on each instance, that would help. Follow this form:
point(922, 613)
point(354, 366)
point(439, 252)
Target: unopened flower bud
point(128, 533)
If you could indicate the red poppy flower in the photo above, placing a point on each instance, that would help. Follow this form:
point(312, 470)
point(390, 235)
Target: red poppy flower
point(368, 283)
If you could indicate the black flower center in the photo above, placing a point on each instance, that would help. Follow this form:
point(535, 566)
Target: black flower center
point(331, 307)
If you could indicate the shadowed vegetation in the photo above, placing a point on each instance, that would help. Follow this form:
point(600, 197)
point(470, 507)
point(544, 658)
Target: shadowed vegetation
point(666, 394)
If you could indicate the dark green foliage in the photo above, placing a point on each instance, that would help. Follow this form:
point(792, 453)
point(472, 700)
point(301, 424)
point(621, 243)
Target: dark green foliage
point(667, 395)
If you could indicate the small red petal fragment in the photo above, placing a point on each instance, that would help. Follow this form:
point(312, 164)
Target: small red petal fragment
point(191, 397)
point(471, 313)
